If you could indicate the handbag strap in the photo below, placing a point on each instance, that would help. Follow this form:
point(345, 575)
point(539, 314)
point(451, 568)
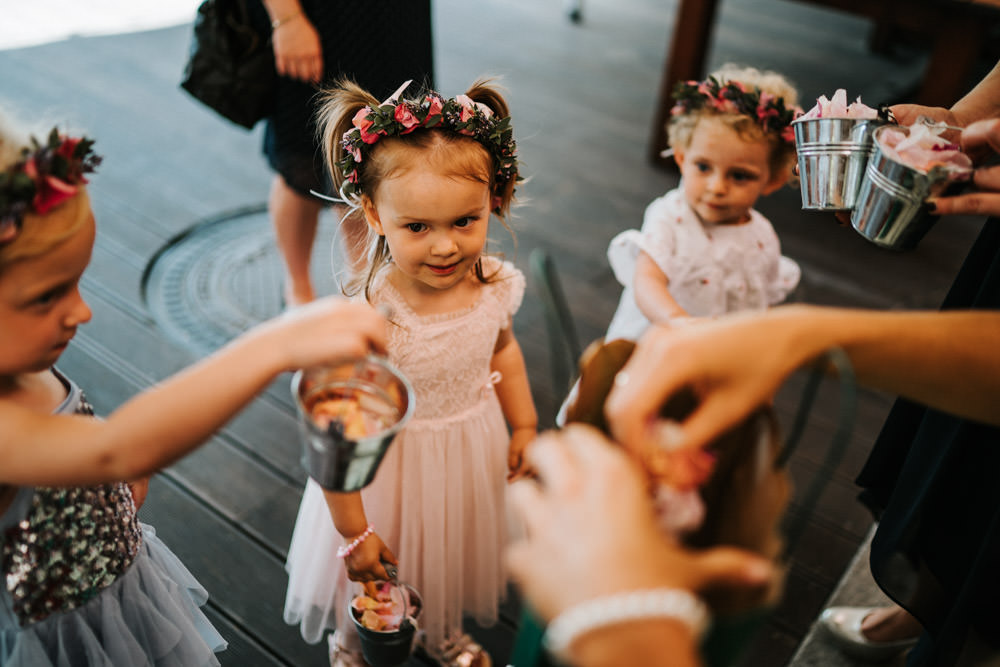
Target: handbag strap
point(846, 412)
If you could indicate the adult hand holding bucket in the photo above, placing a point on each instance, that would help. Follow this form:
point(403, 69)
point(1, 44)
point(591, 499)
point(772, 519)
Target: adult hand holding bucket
point(982, 137)
point(910, 165)
point(349, 414)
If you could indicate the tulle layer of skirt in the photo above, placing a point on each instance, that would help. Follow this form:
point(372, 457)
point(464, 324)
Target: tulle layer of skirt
point(150, 617)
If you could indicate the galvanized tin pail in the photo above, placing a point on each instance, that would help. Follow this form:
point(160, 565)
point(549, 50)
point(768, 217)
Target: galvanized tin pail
point(832, 154)
point(389, 648)
point(337, 459)
point(890, 210)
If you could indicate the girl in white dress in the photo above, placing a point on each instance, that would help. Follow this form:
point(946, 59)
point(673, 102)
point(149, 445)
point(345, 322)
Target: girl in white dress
point(426, 173)
point(703, 250)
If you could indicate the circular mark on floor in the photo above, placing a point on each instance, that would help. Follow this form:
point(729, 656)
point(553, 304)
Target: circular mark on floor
point(222, 276)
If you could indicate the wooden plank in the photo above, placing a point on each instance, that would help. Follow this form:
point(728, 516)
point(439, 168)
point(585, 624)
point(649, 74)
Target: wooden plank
point(246, 583)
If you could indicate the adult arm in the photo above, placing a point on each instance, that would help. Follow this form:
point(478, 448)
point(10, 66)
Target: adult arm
point(298, 52)
point(947, 360)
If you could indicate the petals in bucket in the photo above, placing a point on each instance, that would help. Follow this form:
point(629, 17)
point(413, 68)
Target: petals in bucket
point(837, 107)
point(922, 148)
point(381, 607)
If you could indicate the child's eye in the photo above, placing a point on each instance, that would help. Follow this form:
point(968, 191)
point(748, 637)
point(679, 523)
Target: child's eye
point(47, 298)
point(464, 222)
point(743, 176)
point(416, 227)
point(703, 167)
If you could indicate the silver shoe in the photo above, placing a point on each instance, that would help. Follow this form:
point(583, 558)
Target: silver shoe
point(843, 625)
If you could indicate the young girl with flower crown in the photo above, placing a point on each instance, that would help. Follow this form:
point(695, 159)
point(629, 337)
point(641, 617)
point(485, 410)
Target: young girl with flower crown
point(426, 173)
point(703, 250)
point(83, 582)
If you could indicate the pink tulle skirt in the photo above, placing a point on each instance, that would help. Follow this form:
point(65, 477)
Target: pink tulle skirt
point(438, 502)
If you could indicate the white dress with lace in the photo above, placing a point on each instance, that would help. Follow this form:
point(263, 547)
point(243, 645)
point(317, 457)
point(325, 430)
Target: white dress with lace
point(713, 269)
point(438, 497)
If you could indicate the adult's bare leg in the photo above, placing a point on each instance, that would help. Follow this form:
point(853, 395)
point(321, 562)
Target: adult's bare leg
point(294, 218)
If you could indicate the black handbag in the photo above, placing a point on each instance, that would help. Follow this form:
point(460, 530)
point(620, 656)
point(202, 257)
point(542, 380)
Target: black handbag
point(231, 63)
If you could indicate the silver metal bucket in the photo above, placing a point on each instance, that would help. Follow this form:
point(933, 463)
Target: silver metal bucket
point(890, 210)
point(832, 154)
point(389, 648)
point(336, 460)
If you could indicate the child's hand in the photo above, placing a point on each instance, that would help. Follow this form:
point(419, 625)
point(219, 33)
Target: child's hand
point(327, 330)
point(517, 467)
point(365, 562)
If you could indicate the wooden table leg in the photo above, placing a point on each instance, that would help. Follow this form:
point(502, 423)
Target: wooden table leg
point(685, 60)
point(956, 48)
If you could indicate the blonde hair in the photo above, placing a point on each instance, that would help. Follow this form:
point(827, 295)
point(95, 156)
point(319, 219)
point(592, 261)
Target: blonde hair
point(448, 152)
point(680, 128)
point(39, 234)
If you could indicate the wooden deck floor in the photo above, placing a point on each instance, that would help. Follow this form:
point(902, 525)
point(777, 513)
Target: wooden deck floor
point(582, 99)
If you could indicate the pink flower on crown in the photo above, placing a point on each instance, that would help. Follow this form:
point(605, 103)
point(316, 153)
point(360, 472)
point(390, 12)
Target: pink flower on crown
point(468, 107)
point(405, 117)
point(725, 106)
point(354, 151)
point(67, 147)
point(703, 87)
point(8, 230)
point(435, 107)
point(788, 134)
point(361, 122)
point(50, 192)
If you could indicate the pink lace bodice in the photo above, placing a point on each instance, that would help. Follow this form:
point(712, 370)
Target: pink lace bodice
point(447, 356)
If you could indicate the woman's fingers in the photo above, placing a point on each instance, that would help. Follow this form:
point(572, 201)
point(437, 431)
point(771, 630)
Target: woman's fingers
point(729, 566)
point(973, 203)
point(982, 133)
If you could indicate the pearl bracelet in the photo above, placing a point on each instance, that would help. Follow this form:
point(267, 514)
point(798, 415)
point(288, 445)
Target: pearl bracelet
point(600, 612)
point(345, 551)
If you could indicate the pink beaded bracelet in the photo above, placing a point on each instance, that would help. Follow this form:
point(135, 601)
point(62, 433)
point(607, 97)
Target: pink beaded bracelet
point(344, 552)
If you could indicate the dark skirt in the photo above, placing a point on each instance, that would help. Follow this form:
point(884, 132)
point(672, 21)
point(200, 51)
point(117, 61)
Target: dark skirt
point(379, 44)
point(933, 482)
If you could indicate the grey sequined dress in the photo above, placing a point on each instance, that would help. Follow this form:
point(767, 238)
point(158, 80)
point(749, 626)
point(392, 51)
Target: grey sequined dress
point(85, 583)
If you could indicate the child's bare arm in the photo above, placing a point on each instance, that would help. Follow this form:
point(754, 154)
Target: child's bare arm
point(514, 393)
point(364, 563)
point(652, 291)
point(168, 420)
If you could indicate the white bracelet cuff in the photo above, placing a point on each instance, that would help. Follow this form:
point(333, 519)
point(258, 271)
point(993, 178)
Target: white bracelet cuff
point(600, 612)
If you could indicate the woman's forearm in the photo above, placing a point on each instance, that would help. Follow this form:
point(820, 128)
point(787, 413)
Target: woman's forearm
point(948, 360)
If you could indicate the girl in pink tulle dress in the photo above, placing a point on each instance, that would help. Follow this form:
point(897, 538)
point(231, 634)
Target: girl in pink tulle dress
point(426, 173)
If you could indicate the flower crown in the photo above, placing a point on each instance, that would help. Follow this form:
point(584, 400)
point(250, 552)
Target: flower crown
point(396, 117)
point(767, 110)
point(46, 175)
